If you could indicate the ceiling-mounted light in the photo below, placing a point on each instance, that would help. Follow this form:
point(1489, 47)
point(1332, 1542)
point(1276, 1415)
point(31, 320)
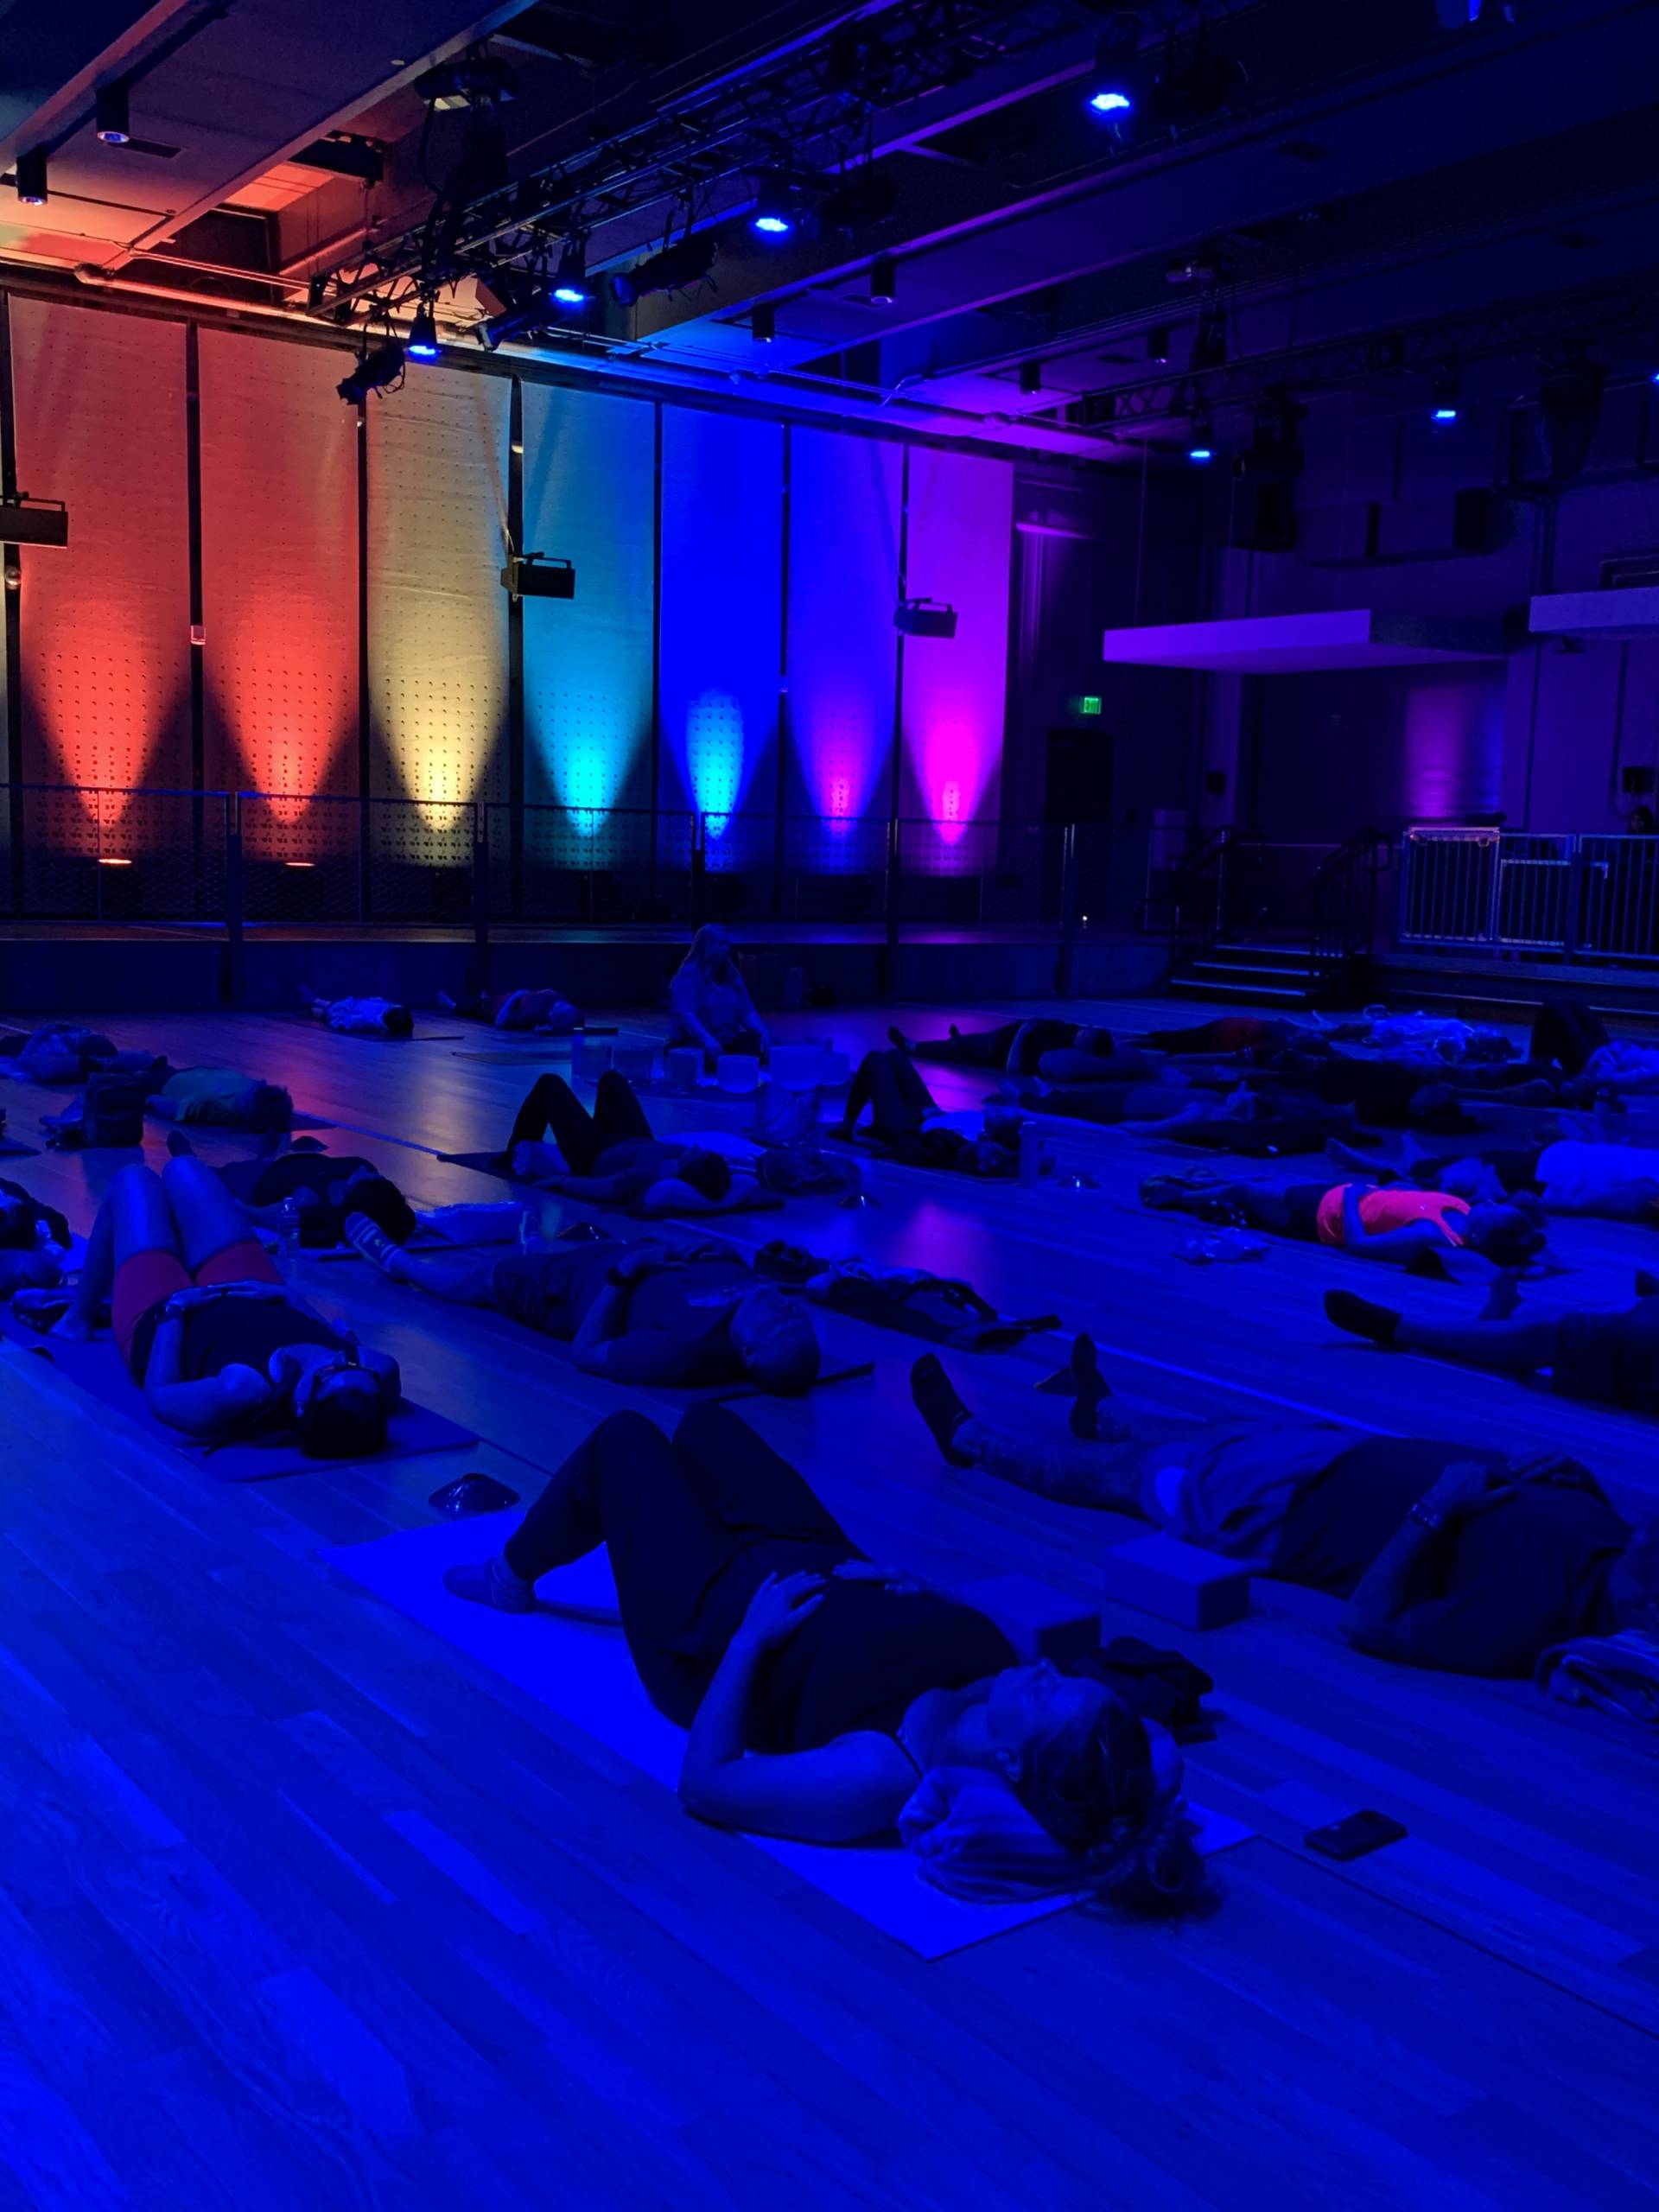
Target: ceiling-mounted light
point(381, 366)
point(775, 208)
point(1031, 377)
point(1200, 438)
point(30, 177)
point(110, 117)
point(1444, 399)
point(763, 322)
point(422, 344)
point(475, 79)
point(570, 283)
point(1113, 87)
point(884, 281)
point(675, 269)
point(925, 618)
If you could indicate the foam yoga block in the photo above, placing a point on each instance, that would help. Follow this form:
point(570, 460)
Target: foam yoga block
point(1037, 1622)
point(1178, 1582)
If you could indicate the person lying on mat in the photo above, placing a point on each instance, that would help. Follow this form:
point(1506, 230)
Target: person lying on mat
point(644, 1312)
point(710, 1003)
point(820, 1689)
point(362, 1017)
point(1397, 1224)
point(57, 1052)
point(609, 1157)
point(1606, 1359)
point(1569, 1175)
point(548, 1010)
point(33, 1242)
point(321, 1188)
point(222, 1098)
point(1450, 1555)
point(219, 1346)
point(907, 1124)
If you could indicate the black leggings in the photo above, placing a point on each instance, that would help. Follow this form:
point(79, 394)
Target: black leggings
point(898, 1100)
point(992, 1048)
point(1568, 1033)
point(693, 1527)
point(584, 1139)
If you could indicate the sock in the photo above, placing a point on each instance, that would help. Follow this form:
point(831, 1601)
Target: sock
point(1084, 1418)
point(938, 1404)
point(492, 1582)
point(896, 1038)
point(1359, 1316)
point(374, 1243)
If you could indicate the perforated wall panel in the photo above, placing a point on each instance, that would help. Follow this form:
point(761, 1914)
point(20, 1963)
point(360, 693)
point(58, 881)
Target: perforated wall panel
point(590, 471)
point(723, 598)
point(437, 613)
point(843, 581)
point(279, 569)
point(955, 689)
point(106, 646)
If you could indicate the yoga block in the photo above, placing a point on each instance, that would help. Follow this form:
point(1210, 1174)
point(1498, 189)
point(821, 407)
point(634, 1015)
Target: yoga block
point(1178, 1582)
point(1037, 1622)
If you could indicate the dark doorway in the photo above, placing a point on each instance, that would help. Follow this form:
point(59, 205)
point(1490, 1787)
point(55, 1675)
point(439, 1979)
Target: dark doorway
point(1079, 788)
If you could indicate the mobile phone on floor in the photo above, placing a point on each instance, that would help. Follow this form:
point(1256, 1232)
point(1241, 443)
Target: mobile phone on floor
point(1353, 1837)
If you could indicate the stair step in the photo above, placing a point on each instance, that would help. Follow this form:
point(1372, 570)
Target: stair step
point(1252, 993)
point(1239, 968)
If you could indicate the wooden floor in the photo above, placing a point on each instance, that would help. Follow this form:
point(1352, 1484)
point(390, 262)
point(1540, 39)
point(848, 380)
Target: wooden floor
point(300, 1909)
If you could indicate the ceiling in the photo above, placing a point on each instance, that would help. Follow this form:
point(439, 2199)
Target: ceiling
point(1363, 170)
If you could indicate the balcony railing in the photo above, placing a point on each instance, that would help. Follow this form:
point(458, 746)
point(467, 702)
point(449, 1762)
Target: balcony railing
point(1590, 897)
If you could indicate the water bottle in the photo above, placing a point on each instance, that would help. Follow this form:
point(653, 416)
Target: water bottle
point(1030, 1154)
point(288, 1229)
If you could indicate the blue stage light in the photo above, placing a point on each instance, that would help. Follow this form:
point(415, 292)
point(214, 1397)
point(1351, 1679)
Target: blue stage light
point(1442, 415)
point(774, 214)
point(571, 284)
point(423, 342)
point(1110, 100)
point(1201, 450)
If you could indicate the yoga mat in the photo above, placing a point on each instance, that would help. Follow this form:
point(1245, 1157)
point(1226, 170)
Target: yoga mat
point(193, 1130)
point(97, 1368)
point(489, 1163)
point(361, 1037)
point(580, 1669)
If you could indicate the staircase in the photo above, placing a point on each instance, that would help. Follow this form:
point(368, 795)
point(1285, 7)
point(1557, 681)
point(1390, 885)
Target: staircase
point(1270, 924)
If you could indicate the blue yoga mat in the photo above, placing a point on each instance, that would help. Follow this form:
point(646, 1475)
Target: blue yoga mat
point(98, 1368)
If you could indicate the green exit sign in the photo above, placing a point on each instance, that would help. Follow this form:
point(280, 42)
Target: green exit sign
point(1088, 703)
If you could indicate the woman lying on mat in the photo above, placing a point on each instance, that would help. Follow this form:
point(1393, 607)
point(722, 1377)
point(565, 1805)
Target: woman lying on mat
point(1568, 1175)
point(907, 1125)
point(365, 1017)
point(1450, 1555)
point(609, 1157)
point(1399, 1225)
point(34, 1240)
point(218, 1345)
point(1608, 1359)
point(644, 1312)
point(820, 1690)
point(710, 1002)
point(321, 1188)
point(547, 1010)
point(222, 1098)
point(1060, 1052)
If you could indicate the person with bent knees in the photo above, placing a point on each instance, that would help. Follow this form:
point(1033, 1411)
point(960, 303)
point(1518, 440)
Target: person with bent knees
point(820, 1689)
point(219, 1346)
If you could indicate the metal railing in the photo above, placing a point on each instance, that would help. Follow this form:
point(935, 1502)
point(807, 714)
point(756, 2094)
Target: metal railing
point(1586, 897)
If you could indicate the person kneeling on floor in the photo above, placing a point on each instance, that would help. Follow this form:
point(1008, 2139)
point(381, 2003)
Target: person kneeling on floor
point(1450, 1555)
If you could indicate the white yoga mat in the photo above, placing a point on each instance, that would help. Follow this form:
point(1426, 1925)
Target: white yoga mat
point(582, 1670)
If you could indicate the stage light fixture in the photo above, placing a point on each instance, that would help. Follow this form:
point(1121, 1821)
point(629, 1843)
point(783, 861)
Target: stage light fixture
point(30, 177)
point(1200, 439)
point(925, 618)
point(112, 119)
point(422, 344)
point(884, 283)
point(570, 283)
point(1031, 377)
point(675, 269)
point(381, 366)
point(774, 208)
point(1446, 395)
point(24, 521)
point(763, 322)
point(538, 575)
point(475, 80)
point(1157, 345)
point(1113, 85)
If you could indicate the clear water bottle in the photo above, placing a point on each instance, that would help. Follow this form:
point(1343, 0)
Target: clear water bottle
point(288, 1234)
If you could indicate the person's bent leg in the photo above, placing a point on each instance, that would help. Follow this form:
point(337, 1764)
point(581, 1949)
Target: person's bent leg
point(551, 1107)
point(1503, 1347)
point(209, 1219)
point(1109, 1475)
point(149, 1264)
point(982, 1048)
point(619, 1118)
point(752, 1486)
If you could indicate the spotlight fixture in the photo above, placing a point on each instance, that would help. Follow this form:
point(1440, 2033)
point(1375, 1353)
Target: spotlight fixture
point(521, 303)
point(1113, 88)
point(570, 283)
point(675, 269)
point(475, 80)
point(775, 208)
point(1031, 377)
point(763, 322)
point(1200, 445)
point(884, 284)
point(316, 291)
point(538, 575)
point(1446, 393)
point(422, 344)
point(925, 618)
point(110, 118)
point(1157, 345)
point(30, 177)
point(381, 366)
point(24, 521)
